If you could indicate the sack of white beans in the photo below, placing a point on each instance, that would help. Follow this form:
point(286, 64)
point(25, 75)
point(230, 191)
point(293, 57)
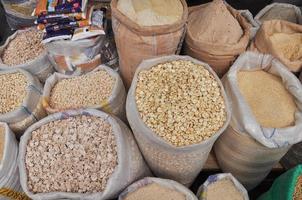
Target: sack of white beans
point(24, 50)
point(101, 89)
point(20, 99)
point(79, 154)
point(156, 189)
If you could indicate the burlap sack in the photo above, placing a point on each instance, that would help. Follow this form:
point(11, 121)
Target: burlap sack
point(263, 44)
point(135, 43)
point(219, 57)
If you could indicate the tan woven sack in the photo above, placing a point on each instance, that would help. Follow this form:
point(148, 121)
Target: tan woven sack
point(135, 43)
point(219, 57)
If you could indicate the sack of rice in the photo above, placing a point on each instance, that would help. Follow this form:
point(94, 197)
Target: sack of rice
point(156, 189)
point(146, 29)
point(288, 186)
point(280, 11)
point(266, 117)
point(81, 154)
point(177, 108)
point(24, 50)
point(281, 39)
point(101, 89)
point(222, 185)
point(20, 98)
point(216, 34)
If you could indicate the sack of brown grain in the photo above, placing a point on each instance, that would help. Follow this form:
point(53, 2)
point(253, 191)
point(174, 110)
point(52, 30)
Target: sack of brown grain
point(177, 108)
point(79, 154)
point(281, 39)
point(266, 117)
point(24, 50)
point(280, 11)
point(222, 185)
point(155, 29)
point(156, 189)
point(216, 34)
point(101, 89)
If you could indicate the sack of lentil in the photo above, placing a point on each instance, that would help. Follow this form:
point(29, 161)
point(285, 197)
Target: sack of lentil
point(222, 185)
point(24, 50)
point(216, 34)
point(266, 117)
point(156, 189)
point(280, 11)
point(20, 98)
point(281, 39)
point(79, 154)
point(146, 29)
point(101, 89)
point(288, 186)
point(177, 108)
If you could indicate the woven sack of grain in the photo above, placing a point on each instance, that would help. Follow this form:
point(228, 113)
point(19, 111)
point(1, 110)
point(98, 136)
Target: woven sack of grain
point(254, 26)
point(114, 104)
point(170, 184)
point(286, 48)
point(218, 56)
point(39, 67)
point(130, 163)
point(203, 190)
point(246, 160)
point(182, 163)
point(136, 43)
point(280, 11)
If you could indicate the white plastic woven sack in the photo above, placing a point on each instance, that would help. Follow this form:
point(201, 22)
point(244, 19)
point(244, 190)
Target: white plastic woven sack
point(202, 191)
point(131, 165)
point(115, 104)
point(182, 164)
point(39, 67)
point(242, 117)
point(163, 182)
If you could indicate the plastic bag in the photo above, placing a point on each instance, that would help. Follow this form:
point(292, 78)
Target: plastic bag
point(177, 163)
point(131, 165)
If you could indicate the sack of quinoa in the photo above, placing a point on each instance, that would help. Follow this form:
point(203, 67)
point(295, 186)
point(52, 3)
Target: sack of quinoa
point(216, 34)
point(177, 108)
point(146, 29)
point(222, 185)
point(156, 189)
point(101, 89)
point(79, 154)
point(20, 98)
point(281, 39)
point(288, 186)
point(24, 50)
point(280, 11)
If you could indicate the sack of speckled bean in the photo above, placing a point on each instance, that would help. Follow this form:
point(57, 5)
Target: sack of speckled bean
point(24, 50)
point(79, 154)
point(177, 108)
point(101, 89)
point(156, 189)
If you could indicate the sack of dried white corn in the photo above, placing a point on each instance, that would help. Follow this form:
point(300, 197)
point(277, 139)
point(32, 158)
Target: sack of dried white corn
point(280, 11)
point(156, 189)
point(177, 108)
point(101, 89)
point(20, 99)
point(24, 50)
point(80, 154)
point(266, 117)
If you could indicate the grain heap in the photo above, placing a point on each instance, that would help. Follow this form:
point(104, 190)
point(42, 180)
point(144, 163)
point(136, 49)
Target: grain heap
point(26, 46)
point(264, 93)
point(77, 154)
point(181, 102)
point(2, 142)
point(151, 12)
point(298, 189)
point(280, 12)
point(82, 91)
point(13, 91)
point(155, 191)
point(223, 188)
